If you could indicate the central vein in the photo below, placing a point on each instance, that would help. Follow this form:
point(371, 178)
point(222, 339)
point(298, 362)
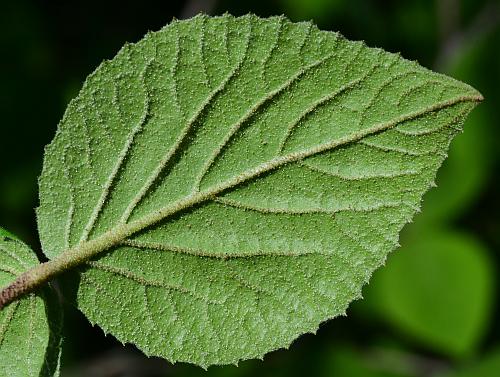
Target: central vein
point(117, 235)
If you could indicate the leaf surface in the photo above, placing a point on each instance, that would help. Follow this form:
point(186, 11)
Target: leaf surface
point(245, 176)
point(29, 333)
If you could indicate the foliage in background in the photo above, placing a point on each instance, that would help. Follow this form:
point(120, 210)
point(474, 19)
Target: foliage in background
point(30, 329)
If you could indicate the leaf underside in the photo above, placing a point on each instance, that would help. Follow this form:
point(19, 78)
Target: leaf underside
point(265, 167)
point(29, 335)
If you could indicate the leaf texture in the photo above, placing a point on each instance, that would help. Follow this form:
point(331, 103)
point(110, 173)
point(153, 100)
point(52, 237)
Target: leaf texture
point(248, 176)
point(29, 332)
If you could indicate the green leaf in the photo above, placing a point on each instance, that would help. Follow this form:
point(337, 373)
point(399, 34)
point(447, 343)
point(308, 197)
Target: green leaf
point(438, 289)
point(245, 177)
point(30, 327)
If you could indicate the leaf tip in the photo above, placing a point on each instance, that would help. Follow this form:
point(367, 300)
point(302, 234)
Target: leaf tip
point(474, 96)
point(478, 97)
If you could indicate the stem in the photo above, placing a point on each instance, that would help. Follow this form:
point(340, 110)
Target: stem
point(29, 280)
point(84, 251)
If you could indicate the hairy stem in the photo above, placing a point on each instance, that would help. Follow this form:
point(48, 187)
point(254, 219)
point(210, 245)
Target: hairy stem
point(44, 272)
point(84, 251)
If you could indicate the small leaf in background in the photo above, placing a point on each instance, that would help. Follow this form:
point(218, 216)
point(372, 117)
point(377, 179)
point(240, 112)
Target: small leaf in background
point(245, 177)
point(438, 289)
point(30, 327)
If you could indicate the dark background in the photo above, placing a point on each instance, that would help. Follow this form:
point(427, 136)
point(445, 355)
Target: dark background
point(432, 311)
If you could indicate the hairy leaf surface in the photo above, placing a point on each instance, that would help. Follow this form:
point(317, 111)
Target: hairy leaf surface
point(29, 333)
point(245, 176)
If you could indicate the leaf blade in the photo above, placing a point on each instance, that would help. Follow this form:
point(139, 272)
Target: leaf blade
point(183, 174)
point(29, 338)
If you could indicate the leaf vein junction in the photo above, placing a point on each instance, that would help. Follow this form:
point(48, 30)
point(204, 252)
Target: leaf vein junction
point(150, 283)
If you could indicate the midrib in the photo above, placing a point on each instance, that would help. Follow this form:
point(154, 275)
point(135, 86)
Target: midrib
point(86, 250)
point(114, 237)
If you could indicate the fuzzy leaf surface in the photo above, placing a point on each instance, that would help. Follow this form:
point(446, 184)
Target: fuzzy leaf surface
point(29, 333)
point(248, 176)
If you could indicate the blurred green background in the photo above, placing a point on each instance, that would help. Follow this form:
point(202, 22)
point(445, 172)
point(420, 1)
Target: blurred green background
point(432, 311)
